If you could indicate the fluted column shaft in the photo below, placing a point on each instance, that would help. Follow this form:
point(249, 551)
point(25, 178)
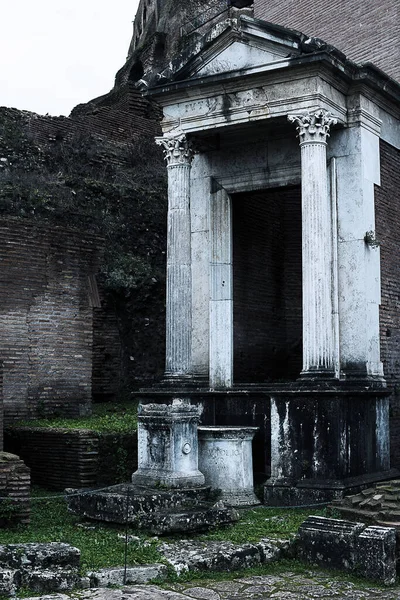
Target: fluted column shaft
point(178, 154)
point(318, 325)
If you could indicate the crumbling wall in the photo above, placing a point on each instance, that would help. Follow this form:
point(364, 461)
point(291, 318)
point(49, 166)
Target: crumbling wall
point(387, 218)
point(45, 319)
point(365, 31)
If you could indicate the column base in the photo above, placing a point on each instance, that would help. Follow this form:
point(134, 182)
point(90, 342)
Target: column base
point(318, 375)
point(171, 480)
point(188, 381)
point(308, 492)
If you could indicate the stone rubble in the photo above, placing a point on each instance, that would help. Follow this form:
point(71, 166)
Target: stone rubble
point(186, 556)
point(39, 567)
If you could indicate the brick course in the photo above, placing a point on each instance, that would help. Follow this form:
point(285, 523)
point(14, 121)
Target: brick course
point(45, 319)
point(366, 31)
point(387, 217)
point(61, 458)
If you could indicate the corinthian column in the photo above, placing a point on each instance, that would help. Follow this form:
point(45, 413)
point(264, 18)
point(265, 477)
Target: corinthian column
point(318, 326)
point(179, 155)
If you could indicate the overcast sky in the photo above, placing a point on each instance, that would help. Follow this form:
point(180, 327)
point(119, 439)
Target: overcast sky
point(55, 54)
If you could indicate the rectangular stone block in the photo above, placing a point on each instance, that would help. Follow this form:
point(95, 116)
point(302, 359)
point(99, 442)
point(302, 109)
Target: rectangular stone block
point(329, 542)
point(375, 556)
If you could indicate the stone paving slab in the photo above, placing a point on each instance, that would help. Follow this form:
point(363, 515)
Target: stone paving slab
point(286, 586)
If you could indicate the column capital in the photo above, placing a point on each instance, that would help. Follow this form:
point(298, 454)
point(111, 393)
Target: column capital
point(313, 126)
point(178, 149)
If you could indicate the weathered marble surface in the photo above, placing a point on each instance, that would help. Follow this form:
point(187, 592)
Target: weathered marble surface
point(225, 459)
point(286, 586)
point(167, 445)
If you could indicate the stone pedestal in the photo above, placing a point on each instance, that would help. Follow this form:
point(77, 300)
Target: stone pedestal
point(327, 442)
point(225, 458)
point(167, 445)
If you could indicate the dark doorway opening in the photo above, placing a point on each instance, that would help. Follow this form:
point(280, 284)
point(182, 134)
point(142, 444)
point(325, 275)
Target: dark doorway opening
point(267, 285)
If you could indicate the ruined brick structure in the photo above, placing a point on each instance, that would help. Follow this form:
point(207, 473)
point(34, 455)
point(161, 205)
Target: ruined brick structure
point(367, 31)
point(388, 228)
point(46, 318)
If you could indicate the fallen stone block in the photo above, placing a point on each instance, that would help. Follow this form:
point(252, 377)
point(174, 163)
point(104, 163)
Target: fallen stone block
point(115, 576)
point(35, 556)
point(44, 581)
point(43, 568)
point(352, 547)
point(158, 511)
point(200, 518)
point(10, 582)
point(329, 542)
point(376, 554)
point(186, 556)
point(126, 502)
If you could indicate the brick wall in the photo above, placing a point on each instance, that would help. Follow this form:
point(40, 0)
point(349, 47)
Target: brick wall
point(387, 206)
point(15, 486)
point(366, 31)
point(1, 408)
point(120, 116)
point(45, 319)
point(60, 458)
point(107, 352)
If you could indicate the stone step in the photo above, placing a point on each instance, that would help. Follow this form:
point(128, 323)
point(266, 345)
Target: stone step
point(123, 503)
point(160, 512)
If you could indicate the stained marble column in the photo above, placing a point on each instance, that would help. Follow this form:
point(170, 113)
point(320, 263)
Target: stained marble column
point(318, 324)
point(179, 155)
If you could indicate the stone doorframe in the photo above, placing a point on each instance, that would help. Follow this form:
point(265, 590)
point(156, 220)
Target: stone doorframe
point(319, 233)
point(221, 350)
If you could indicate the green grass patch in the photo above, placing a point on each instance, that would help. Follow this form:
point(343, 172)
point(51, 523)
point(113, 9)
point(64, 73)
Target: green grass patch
point(261, 522)
point(106, 418)
point(100, 545)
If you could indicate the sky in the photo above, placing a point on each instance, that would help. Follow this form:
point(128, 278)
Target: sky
point(55, 54)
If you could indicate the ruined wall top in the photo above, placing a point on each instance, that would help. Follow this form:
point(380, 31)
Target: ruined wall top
point(365, 31)
point(162, 29)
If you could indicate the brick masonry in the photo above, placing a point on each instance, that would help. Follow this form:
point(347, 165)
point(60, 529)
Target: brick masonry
point(366, 31)
point(61, 458)
point(14, 489)
point(45, 319)
point(387, 219)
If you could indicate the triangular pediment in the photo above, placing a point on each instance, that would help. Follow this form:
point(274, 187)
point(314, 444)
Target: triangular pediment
point(236, 45)
point(240, 55)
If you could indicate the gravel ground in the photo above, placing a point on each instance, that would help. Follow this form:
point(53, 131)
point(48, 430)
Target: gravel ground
point(286, 586)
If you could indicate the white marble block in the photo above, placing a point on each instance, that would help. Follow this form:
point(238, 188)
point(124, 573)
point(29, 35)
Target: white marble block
point(167, 445)
point(225, 458)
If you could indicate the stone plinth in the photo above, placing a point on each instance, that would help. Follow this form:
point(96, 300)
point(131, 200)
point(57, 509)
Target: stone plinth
point(225, 458)
point(167, 445)
point(327, 442)
point(155, 510)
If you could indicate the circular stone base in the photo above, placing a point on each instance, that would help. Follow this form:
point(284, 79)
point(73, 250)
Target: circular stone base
point(239, 498)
